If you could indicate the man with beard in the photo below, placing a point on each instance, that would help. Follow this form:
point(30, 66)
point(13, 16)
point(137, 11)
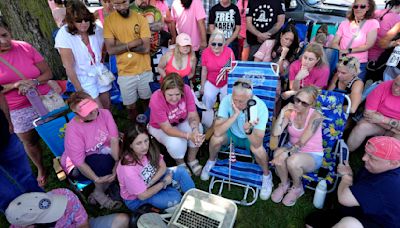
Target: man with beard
point(154, 18)
point(127, 35)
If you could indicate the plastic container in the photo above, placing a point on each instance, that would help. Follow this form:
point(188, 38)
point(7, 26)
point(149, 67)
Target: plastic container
point(320, 194)
point(34, 98)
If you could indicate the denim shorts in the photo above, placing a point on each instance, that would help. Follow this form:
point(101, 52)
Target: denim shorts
point(317, 159)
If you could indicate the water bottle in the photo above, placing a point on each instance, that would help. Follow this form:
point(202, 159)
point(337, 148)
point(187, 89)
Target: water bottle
point(320, 194)
point(34, 98)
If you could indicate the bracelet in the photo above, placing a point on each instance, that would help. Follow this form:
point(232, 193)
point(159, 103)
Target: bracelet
point(346, 174)
point(36, 82)
point(249, 132)
point(164, 183)
point(96, 179)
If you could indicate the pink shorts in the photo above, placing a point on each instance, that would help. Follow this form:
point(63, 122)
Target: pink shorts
point(22, 119)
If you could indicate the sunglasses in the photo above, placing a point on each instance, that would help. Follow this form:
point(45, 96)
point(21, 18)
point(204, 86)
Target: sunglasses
point(346, 60)
point(361, 6)
point(243, 84)
point(80, 20)
point(216, 44)
point(303, 103)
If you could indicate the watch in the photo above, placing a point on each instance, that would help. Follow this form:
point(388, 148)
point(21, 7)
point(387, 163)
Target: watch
point(249, 131)
point(36, 81)
point(350, 50)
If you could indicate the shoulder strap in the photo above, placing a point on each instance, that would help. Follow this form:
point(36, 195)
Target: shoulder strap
point(13, 68)
point(355, 35)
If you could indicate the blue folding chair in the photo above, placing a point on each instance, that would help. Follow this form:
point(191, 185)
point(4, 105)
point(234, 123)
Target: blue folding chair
point(52, 131)
point(248, 175)
point(303, 29)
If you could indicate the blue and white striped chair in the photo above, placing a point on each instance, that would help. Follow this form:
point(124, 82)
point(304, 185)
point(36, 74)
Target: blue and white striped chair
point(248, 175)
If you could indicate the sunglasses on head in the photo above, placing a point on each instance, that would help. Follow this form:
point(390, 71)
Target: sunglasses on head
point(80, 20)
point(216, 44)
point(346, 60)
point(243, 84)
point(361, 6)
point(303, 103)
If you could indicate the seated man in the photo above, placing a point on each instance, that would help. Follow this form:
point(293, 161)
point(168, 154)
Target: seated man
point(372, 200)
point(232, 123)
point(381, 116)
point(58, 208)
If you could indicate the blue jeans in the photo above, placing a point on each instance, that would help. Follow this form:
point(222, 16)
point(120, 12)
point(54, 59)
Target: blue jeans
point(16, 176)
point(363, 73)
point(169, 196)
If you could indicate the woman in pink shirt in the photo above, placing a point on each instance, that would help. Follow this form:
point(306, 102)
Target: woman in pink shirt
point(357, 34)
point(27, 60)
point(282, 50)
point(143, 175)
point(243, 46)
point(174, 121)
point(310, 69)
point(180, 60)
point(215, 60)
point(91, 147)
point(304, 152)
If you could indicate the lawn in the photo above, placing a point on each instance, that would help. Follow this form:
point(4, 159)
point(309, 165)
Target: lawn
point(261, 214)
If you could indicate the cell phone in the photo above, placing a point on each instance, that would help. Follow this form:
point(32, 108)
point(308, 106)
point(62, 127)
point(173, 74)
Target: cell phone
point(252, 111)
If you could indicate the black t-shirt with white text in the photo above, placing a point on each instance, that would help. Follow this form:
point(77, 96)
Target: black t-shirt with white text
point(225, 18)
point(264, 15)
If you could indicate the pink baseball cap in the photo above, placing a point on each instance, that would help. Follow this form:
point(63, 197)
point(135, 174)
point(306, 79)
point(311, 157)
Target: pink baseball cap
point(86, 106)
point(183, 39)
point(387, 148)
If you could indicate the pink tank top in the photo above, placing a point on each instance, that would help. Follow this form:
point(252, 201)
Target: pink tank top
point(169, 68)
point(314, 144)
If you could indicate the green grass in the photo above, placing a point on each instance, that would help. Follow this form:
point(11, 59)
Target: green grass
point(261, 214)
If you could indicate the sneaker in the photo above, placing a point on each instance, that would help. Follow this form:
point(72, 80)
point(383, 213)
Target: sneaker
point(279, 192)
point(205, 173)
point(292, 196)
point(266, 188)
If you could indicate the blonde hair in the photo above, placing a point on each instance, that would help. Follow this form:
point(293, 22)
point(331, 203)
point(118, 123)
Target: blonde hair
point(172, 81)
point(215, 33)
point(178, 56)
point(312, 91)
point(319, 52)
point(352, 64)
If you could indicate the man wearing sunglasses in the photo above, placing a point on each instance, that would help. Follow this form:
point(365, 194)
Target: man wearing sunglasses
point(232, 124)
point(382, 114)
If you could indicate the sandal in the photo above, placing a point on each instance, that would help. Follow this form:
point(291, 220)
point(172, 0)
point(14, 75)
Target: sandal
point(104, 201)
point(195, 167)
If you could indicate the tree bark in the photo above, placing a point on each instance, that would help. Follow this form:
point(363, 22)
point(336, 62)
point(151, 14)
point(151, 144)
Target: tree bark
point(32, 21)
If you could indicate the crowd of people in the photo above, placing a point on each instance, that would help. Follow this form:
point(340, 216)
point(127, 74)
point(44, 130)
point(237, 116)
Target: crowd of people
point(161, 43)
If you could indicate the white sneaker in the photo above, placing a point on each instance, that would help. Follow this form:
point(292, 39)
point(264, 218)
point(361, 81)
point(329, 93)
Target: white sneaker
point(266, 188)
point(205, 173)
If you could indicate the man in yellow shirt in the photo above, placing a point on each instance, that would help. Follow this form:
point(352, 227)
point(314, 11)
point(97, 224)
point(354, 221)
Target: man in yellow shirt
point(127, 35)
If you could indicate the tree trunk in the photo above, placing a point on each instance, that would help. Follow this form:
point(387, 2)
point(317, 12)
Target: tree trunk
point(32, 21)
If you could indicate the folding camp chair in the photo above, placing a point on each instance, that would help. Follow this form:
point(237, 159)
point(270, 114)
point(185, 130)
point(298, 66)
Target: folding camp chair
point(330, 104)
point(332, 56)
point(52, 131)
point(248, 175)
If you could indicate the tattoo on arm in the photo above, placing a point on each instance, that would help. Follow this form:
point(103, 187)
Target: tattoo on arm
point(315, 124)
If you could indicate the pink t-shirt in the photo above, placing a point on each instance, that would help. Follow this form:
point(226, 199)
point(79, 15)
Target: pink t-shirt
point(347, 30)
point(23, 57)
point(314, 144)
point(242, 11)
point(162, 111)
point(163, 7)
point(265, 50)
point(388, 21)
point(75, 214)
point(383, 101)
point(215, 64)
point(83, 139)
point(134, 179)
point(318, 75)
point(186, 20)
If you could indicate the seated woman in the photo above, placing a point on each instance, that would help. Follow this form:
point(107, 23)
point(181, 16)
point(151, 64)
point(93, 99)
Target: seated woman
point(346, 80)
point(143, 175)
point(180, 60)
point(310, 70)
point(282, 50)
point(304, 152)
point(91, 147)
point(323, 29)
point(174, 121)
point(214, 59)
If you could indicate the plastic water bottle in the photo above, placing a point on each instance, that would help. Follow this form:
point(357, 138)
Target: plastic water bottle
point(320, 194)
point(34, 98)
